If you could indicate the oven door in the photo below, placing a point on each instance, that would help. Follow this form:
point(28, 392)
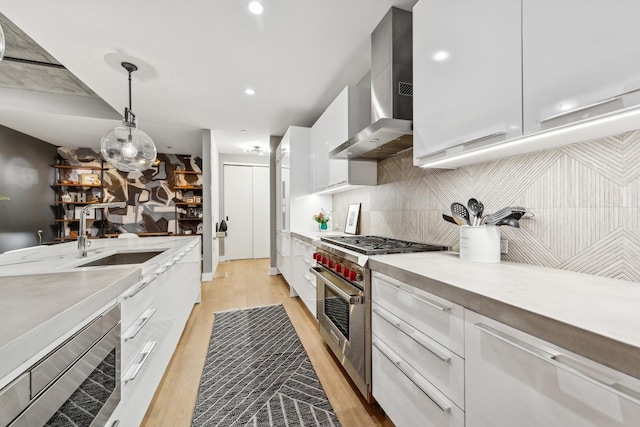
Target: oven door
point(341, 317)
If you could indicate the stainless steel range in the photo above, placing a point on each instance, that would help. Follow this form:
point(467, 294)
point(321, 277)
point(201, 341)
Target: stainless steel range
point(344, 297)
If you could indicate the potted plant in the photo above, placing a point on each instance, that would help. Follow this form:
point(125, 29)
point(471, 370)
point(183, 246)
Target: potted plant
point(322, 219)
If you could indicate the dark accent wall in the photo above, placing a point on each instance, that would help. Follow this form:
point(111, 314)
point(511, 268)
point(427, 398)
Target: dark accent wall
point(25, 177)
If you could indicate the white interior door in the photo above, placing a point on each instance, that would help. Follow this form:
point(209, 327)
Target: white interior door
point(261, 207)
point(238, 208)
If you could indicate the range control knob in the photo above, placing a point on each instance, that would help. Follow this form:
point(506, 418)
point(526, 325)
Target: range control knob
point(346, 272)
point(315, 255)
point(353, 276)
point(339, 268)
point(330, 263)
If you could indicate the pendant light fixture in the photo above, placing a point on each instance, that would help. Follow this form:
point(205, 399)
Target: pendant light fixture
point(1, 43)
point(126, 147)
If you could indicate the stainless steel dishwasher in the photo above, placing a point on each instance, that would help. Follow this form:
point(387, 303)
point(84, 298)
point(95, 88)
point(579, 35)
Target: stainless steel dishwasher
point(77, 384)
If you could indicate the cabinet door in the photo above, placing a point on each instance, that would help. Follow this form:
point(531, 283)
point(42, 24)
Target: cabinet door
point(513, 379)
point(577, 54)
point(467, 73)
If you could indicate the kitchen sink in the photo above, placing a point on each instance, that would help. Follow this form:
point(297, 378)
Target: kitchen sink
point(123, 258)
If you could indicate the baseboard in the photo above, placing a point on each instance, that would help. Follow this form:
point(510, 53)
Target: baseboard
point(206, 277)
point(273, 271)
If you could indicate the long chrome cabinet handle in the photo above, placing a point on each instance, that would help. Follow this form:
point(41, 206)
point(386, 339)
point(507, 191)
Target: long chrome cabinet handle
point(570, 365)
point(309, 262)
point(141, 285)
point(412, 375)
point(310, 280)
point(164, 268)
point(344, 181)
point(419, 298)
point(463, 143)
point(142, 320)
point(411, 332)
point(351, 299)
point(133, 369)
point(589, 106)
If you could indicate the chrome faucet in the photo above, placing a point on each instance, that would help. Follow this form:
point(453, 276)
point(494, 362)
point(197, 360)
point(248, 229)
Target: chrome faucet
point(82, 231)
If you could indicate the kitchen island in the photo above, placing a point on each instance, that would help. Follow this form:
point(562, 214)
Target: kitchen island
point(48, 293)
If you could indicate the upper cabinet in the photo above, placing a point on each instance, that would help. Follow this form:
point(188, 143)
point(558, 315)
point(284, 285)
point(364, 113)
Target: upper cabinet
point(467, 74)
point(497, 78)
point(348, 114)
point(580, 58)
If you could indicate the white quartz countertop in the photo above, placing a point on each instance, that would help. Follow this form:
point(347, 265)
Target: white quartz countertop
point(64, 257)
point(44, 295)
point(310, 236)
point(593, 316)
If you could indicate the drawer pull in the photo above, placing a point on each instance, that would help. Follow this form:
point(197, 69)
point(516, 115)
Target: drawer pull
point(133, 369)
point(563, 362)
point(419, 298)
point(470, 143)
point(164, 268)
point(308, 262)
point(413, 333)
point(141, 285)
point(116, 423)
point(335, 337)
point(415, 378)
point(133, 330)
point(311, 281)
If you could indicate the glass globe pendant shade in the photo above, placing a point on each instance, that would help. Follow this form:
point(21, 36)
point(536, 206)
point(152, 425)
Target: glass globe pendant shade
point(128, 149)
point(2, 45)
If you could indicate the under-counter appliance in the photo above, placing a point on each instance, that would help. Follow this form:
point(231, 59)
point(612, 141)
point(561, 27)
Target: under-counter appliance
point(78, 383)
point(343, 285)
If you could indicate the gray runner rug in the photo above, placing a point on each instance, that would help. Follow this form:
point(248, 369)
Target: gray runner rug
point(258, 374)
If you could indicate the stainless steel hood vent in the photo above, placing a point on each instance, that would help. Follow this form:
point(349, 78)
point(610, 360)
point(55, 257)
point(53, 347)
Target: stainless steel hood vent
point(391, 130)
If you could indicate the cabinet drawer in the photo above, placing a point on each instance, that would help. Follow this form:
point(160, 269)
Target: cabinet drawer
point(136, 300)
point(304, 287)
point(435, 317)
point(407, 398)
point(442, 367)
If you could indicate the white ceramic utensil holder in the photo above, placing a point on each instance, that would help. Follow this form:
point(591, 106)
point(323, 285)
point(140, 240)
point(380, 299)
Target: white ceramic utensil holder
point(480, 244)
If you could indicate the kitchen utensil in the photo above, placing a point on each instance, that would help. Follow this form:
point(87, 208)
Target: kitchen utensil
point(458, 211)
point(472, 207)
point(497, 216)
point(450, 219)
point(480, 209)
point(511, 222)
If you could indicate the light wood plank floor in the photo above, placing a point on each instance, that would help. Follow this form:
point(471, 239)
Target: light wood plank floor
point(249, 285)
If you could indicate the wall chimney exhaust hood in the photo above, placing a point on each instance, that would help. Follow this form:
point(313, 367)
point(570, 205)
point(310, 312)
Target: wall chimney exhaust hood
point(391, 130)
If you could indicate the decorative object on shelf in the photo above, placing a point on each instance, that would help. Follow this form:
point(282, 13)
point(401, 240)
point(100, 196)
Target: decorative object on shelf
point(189, 200)
point(90, 179)
point(197, 199)
point(126, 147)
point(322, 218)
point(4, 198)
point(199, 228)
point(353, 215)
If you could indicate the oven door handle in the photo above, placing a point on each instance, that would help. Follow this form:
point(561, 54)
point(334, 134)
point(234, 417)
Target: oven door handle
point(351, 299)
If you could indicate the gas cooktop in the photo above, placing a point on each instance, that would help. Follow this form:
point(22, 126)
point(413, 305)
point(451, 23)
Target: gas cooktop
point(374, 245)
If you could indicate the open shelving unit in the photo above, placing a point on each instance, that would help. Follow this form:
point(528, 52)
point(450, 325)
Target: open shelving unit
point(188, 202)
point(72, 191)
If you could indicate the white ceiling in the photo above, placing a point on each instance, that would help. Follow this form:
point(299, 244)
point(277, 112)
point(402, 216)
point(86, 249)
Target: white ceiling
point(195, 60)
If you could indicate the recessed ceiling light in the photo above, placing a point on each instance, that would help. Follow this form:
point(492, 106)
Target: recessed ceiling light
point(441, 56)
point(249, 91)
point(256, 7)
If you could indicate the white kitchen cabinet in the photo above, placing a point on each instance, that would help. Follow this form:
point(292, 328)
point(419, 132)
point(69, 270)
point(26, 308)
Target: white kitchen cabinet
point(283, 253)
point(418, 361)
point(513, 378)
point(303, 282)
point(347, 115)
point(578, 56)
point(467, 75)
point(154, 314)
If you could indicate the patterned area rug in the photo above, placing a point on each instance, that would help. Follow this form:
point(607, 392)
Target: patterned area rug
point(258, 374)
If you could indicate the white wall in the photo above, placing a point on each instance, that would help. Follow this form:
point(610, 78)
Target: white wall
point(210, 166)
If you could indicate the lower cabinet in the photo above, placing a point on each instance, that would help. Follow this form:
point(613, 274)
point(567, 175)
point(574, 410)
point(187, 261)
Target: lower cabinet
point(303, 283)
point(283, 259)
point(154, 314)
point(513, 378)
point(418, 361)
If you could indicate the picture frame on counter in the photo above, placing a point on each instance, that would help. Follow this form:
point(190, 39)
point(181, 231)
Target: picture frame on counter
point(353, 216)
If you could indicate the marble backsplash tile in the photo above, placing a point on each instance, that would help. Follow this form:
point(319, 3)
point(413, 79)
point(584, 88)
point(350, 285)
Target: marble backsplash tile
point(585, 198)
